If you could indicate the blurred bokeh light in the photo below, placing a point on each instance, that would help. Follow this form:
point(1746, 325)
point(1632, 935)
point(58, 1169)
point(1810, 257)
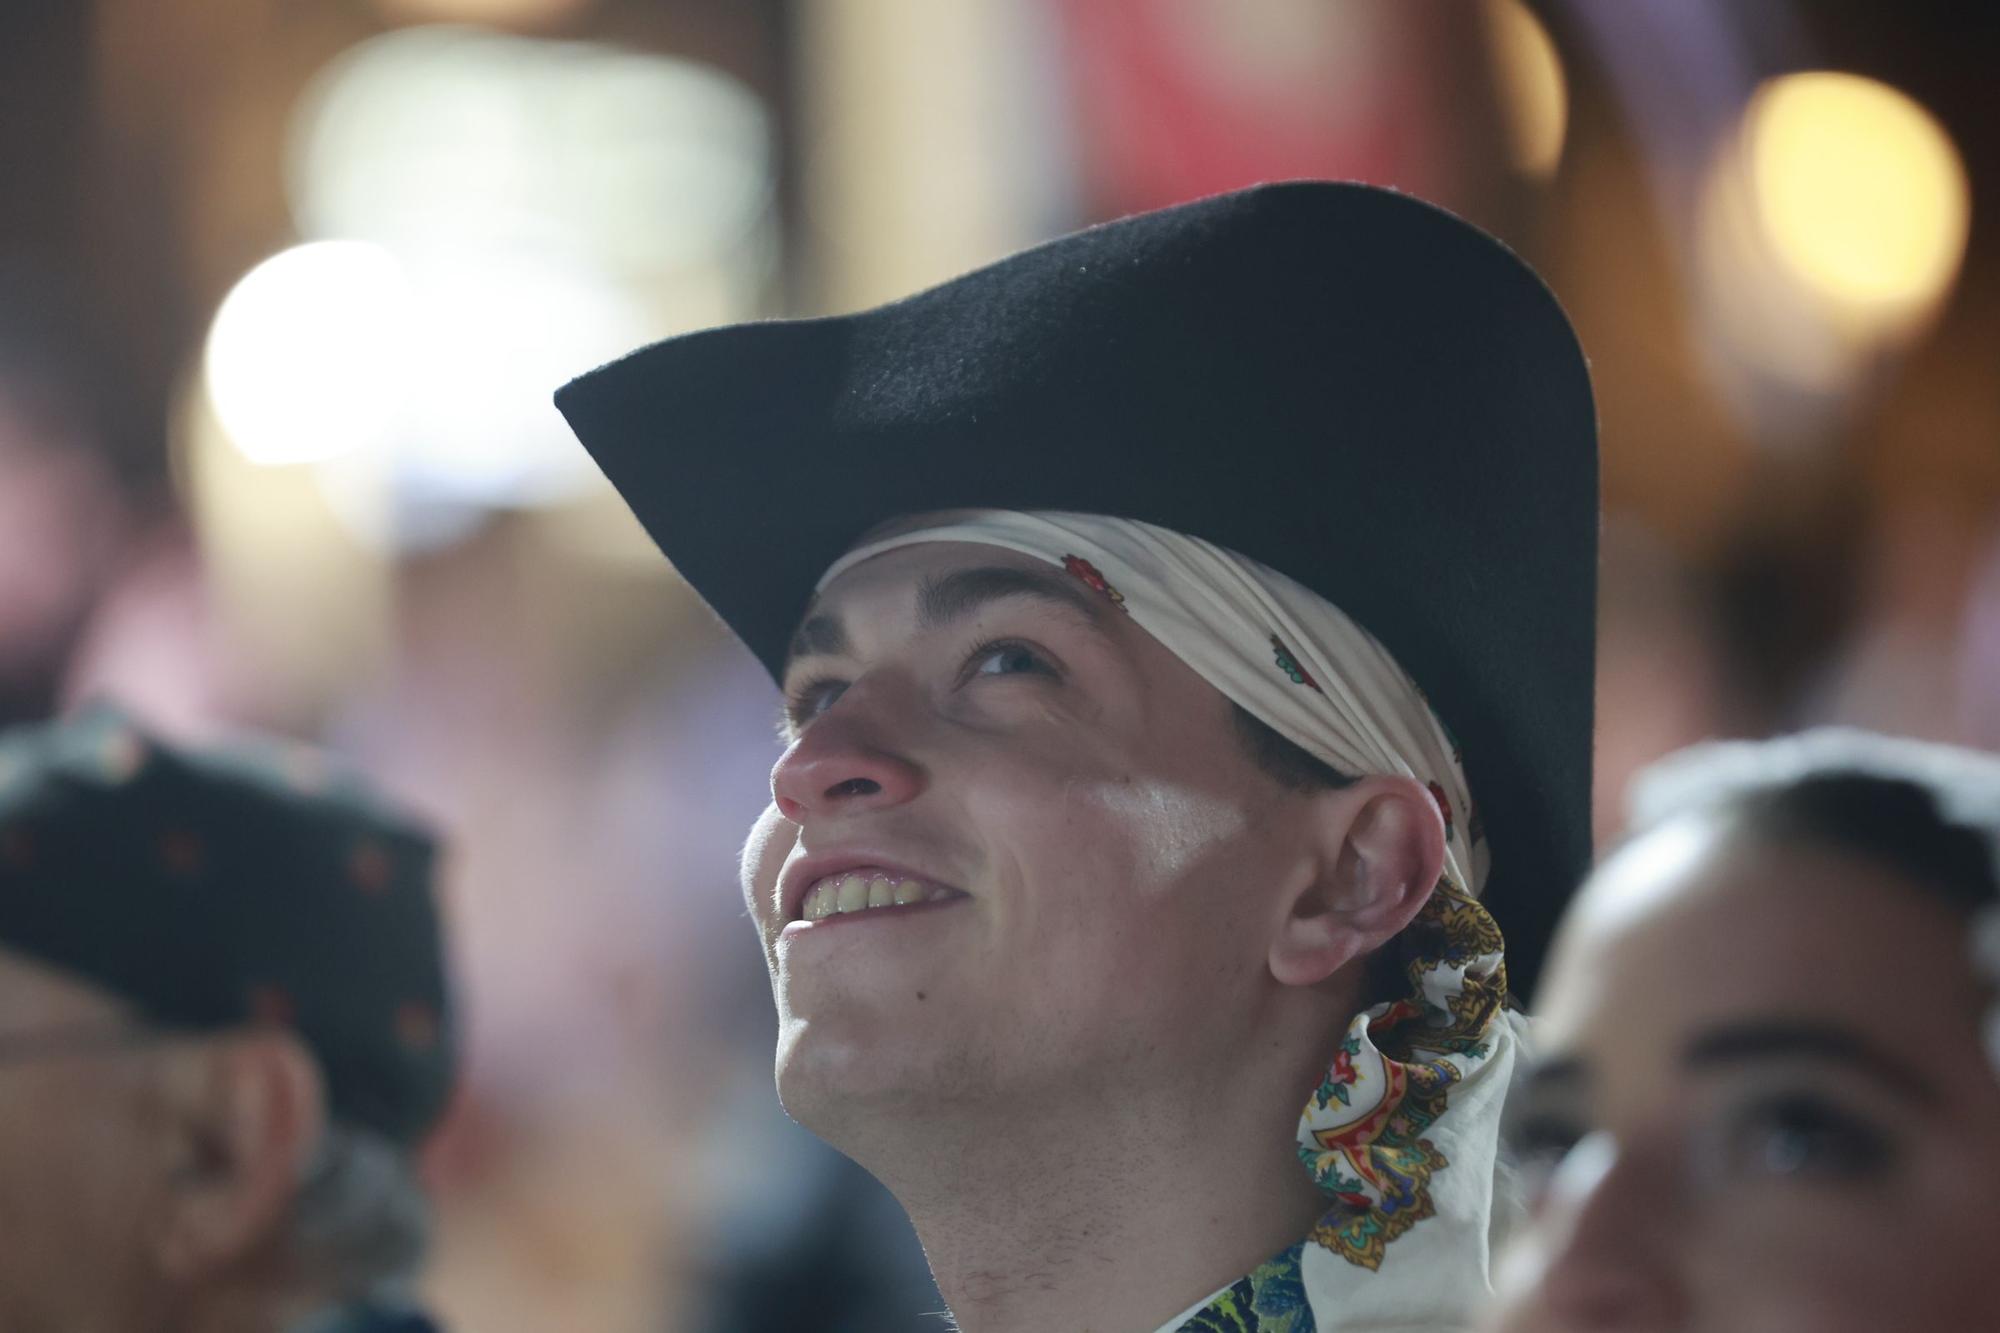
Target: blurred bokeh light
point(308, 357)
point(510, 211)
point(1861, 190)
point(1534, 95)
point(1832, 223)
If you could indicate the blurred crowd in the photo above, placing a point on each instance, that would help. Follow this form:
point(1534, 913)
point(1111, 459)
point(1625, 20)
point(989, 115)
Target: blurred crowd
point(285, 290)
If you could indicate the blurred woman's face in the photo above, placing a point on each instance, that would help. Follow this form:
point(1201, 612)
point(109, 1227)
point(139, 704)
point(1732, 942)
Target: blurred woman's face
point(1762, 1102)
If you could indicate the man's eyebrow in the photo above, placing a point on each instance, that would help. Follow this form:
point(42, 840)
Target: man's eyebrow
point(1790, 1039)
point(819, 635)
point(947, 598)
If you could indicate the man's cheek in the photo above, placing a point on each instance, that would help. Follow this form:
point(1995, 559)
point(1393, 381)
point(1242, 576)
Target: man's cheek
point(770, 842)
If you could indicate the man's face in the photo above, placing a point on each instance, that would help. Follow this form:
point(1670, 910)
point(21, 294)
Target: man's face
point(76, 1181)
point(1088, 864)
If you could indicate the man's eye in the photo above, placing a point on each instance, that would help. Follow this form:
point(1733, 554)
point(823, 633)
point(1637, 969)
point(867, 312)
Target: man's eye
point(809, 700)
point(1007, 659)
point(1796, 1137)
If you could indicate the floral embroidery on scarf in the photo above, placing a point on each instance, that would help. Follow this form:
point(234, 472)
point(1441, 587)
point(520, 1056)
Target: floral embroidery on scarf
point(1270, 1299)
point(1444, 807)
point(1085, 572)
point(1362, 1133)
point(1290, 666)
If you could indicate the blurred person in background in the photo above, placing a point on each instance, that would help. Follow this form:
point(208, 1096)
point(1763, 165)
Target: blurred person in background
point(1101, 846)
point(223, 1033)
point(1768, 1087)
point(65, 508)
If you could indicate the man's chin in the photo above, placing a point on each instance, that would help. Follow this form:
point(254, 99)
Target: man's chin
point(841, 1083)
point(824, 1073)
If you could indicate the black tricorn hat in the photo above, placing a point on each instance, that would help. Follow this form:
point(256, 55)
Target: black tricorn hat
point(1348, 384)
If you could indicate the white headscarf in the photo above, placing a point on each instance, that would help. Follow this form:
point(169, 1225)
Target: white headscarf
point(1403, 1133)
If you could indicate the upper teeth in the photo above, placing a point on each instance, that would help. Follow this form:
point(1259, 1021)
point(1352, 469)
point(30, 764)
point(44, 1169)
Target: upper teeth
point(857, 891)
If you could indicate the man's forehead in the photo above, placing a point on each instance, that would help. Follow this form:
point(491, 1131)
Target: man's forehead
point(936, 582)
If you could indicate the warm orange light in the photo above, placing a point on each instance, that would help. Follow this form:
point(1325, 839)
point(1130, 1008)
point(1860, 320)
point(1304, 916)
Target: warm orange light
point(1859, 190)
point(1534, 97)
point(497, 13)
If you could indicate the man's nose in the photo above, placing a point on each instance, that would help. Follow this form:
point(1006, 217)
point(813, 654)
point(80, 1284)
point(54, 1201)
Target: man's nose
point(1605, 1226)
point(852, 758)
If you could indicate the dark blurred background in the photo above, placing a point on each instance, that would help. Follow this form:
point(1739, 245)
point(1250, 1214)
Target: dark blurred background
point(285, 285)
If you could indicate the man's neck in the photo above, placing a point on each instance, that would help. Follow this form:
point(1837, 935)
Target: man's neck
point(1110, 1218)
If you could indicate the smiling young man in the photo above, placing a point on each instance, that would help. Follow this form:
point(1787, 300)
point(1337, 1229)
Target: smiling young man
point(1101, 847)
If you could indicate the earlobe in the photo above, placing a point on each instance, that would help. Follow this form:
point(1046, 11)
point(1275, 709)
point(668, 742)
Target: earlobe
point(249, 1111)
point(1381, 854)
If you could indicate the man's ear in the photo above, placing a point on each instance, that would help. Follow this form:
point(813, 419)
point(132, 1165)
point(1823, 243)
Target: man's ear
point(246, 1112)
point(1380, 852)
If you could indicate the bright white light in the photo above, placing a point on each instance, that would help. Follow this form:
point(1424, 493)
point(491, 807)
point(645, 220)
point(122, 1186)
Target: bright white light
point(498, 337)
point(307, 357)
point(428, 136)
point(480, 432)
point(550, 205)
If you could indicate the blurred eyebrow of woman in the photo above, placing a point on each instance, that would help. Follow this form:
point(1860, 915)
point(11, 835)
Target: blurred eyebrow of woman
point(1760, 1043)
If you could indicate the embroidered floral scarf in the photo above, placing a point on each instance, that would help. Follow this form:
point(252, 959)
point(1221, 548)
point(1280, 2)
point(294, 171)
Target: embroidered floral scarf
point(1404, 1125)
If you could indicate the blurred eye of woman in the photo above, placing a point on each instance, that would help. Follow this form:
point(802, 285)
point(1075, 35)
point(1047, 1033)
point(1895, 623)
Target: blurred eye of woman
point(1539, 1142)
point(1800, 1136)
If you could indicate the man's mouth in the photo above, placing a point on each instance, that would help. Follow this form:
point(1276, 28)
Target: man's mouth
point(868, 889)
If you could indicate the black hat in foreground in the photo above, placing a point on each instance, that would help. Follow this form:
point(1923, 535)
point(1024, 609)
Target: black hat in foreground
point(236, 886)
point(1347, 384)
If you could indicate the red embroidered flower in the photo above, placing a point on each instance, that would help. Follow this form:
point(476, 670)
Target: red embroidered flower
point(1082, 569)
point(1444, 807)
